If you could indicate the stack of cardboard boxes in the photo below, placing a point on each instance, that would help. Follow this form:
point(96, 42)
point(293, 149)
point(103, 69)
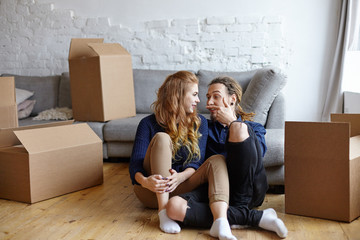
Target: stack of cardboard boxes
point(43, 161)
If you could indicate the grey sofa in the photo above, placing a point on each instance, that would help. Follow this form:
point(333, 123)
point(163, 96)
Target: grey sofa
point(262, 95)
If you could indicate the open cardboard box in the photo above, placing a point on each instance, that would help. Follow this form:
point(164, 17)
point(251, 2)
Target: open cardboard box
point(52, 160)
point(8, 107)
point(101, 80)
point(322, 168)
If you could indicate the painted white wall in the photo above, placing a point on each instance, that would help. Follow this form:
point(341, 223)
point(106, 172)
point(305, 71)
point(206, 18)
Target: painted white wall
point(310, 31)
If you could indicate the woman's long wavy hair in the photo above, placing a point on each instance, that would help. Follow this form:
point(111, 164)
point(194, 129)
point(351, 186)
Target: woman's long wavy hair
point(170, 113)
point(233, 87)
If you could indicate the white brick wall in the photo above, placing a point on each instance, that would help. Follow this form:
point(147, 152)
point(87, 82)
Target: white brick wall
point(35, 40)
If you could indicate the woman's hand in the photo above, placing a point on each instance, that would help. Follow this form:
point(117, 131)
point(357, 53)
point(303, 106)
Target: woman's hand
point(177, 178)
point(156, 183)
point(174, 180)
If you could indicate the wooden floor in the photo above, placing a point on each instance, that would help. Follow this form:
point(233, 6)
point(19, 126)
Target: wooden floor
point(111, 211)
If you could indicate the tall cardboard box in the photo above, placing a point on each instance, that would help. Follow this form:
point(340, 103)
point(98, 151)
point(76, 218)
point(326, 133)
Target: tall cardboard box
point(101, 80)
point(8, 107)
point(51, 161)
point(322, 168)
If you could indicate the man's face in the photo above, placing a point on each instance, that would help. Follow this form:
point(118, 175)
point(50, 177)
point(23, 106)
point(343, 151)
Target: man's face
point(216, 96)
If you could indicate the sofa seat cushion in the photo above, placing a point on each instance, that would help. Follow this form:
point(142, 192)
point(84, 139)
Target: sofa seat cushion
point(122, 129)
point(275, 175)
point(97, 127)
point(45, 90)
point(274, 139)
point(119, 149)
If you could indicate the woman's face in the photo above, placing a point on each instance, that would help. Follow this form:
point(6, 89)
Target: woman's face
point(191, 98)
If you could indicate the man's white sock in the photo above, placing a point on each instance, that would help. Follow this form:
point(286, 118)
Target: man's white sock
point(166, 224)
point(271, 222)
point(221, 229)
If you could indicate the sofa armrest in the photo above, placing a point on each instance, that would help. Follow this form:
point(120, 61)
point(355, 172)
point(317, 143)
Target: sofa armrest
point(276, 114)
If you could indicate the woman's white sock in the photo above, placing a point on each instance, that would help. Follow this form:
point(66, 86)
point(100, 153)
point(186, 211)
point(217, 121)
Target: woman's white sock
point(271, 222)
point(166, 224)
point(221, 229)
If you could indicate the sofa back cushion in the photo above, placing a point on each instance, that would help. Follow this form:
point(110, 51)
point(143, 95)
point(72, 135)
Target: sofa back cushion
point(64, 91)
point(261, 92)
point(45, 90)
point(205, 77)
point(146, 85)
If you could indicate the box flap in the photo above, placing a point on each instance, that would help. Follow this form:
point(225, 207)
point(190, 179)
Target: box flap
point(7, 91)
point(8, 117)
point(8, 138)
point(106, 49)
point(353, 119)
point(53, 138)
point(79, 47)
point(354, 147)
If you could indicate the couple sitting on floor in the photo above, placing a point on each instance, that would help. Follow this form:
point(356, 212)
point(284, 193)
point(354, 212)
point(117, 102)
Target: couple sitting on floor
point(199, 172)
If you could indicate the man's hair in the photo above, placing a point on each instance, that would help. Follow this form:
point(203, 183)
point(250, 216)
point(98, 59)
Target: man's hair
point(170, 113)
point(233, 87)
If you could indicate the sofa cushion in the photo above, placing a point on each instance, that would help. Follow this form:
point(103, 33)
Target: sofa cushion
point(261, 92)
point(22, 95)
point(205, 77)
point(45, 90)
point(64, 91)
point(122, 129)
point(146, 85)
point(25, 108)
point(274, 139)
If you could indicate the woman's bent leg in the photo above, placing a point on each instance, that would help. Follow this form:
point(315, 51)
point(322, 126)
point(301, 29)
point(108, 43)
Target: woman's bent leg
point(214, 172)
point(158, 161)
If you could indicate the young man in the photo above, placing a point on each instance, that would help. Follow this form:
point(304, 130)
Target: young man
point(241, 141)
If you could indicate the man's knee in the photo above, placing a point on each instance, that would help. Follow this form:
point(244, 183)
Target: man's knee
point(176, 208)
point(238, 132)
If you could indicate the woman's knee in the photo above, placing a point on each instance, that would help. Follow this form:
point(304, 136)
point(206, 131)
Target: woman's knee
point(161, 140)
point(176, 208)
point(238, 132)
point(216, 160)
point(162, 137)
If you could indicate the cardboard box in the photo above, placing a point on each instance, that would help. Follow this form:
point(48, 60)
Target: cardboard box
point(322, 166)
point(101, 80)
point(51, 161)
point(8, 107)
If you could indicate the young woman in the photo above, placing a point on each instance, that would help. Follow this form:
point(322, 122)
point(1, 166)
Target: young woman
point(242, 143)
point(169, 152)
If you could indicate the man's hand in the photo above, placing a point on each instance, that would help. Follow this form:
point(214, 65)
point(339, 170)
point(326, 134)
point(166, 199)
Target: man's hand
point(223, 114)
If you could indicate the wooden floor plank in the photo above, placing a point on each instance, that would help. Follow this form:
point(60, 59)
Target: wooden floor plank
point(112, 211)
